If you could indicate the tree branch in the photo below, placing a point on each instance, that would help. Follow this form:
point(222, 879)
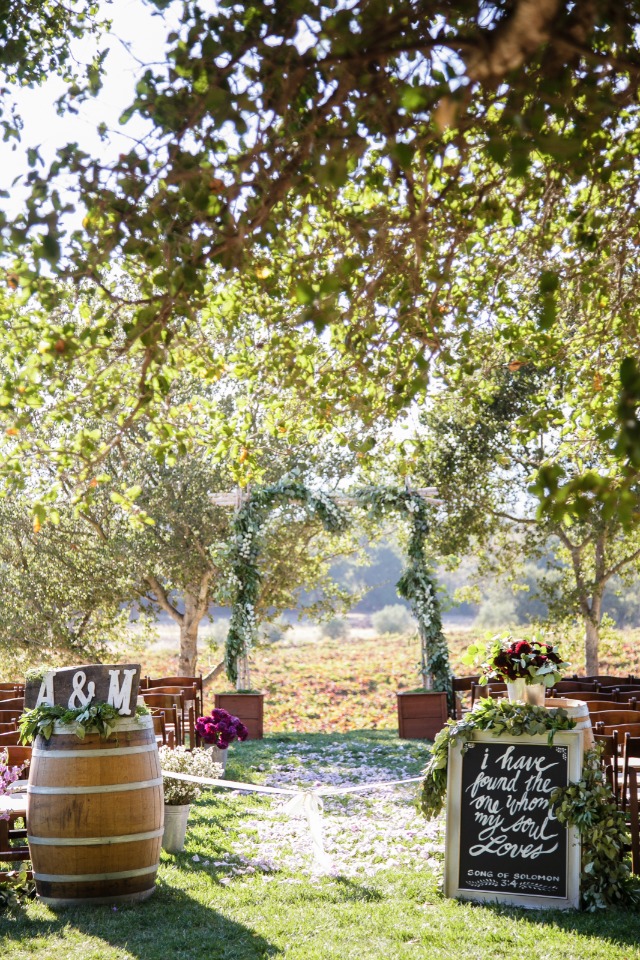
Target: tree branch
point(163, 600)
point(515, 40)
point(622, 563)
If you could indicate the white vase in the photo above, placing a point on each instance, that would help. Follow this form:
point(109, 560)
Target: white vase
point(516, 690)
point(523, 692)
point(217, 755)
point(175, 826)
point(535, 694)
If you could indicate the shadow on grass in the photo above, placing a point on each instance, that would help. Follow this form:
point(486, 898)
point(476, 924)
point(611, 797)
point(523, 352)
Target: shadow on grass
point(620, 927)
point(169, 924)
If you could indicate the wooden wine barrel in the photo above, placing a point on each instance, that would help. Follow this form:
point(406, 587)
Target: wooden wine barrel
point(579, 712)
point(95, 814)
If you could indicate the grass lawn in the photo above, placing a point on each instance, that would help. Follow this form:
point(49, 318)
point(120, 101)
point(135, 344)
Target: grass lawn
point(245, 887)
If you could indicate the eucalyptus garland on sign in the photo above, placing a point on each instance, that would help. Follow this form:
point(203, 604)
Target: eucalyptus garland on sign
point(416, 584)
point(245, 552)
point(588, 805)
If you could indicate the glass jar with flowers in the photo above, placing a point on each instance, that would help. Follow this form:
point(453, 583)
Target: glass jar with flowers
point(180, 794)
point(528, 667)
point(217, 730)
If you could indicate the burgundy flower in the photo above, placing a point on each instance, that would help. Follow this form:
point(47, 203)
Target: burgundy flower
point(220, 728)
point(522, 647)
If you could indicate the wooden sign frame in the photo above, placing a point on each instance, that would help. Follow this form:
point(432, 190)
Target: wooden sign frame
point(573, 741)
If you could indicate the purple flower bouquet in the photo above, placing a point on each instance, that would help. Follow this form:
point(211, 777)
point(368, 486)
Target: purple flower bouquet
point(220, 729)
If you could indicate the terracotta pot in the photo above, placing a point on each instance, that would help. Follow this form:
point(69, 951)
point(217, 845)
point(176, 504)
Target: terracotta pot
point(422, 714)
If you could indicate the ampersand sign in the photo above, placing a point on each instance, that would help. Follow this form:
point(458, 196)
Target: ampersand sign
point(78, 697)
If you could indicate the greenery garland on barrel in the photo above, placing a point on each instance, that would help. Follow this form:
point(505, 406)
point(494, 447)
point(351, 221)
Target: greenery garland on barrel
point(98, 717)
point(588, 805)
point(415, 585)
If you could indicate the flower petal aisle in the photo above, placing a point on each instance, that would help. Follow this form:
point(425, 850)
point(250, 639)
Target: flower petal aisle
point(363, 832)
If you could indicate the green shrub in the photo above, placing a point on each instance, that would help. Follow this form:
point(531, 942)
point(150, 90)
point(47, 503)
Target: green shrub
point(393, 618)
point(335, 629)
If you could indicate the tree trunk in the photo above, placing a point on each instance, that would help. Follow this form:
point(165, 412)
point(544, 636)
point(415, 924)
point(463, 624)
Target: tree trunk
point(189, 637)
point(592, 636)
point(591, 641)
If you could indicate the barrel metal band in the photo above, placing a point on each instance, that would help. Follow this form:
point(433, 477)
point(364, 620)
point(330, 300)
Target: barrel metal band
point(82, 877)
point(106, 788)
point(92, 754)
point(95, 841)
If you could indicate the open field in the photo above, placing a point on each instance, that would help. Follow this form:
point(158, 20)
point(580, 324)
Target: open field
point(245, 887)
point(321, 686)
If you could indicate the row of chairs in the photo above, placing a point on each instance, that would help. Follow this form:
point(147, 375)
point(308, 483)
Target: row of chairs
point(177, 701)
point(615, 689)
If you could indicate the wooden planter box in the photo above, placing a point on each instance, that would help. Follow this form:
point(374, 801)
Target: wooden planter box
point(421, 715)
point(248, 707)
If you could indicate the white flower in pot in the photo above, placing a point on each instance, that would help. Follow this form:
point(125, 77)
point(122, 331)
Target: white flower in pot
point(180, 794)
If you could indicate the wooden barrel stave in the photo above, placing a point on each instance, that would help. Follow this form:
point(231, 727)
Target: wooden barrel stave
point(108, 793)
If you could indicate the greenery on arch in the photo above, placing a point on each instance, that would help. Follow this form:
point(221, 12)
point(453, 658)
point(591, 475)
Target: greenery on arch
point(416, 583)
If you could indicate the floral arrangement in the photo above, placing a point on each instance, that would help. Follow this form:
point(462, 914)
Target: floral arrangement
point(8, 775)
point(588, 805)
point(194, 763)
point(503, 658)
point(220, 728)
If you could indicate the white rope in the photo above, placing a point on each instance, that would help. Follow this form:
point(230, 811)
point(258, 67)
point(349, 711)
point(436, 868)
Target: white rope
point(303, 803)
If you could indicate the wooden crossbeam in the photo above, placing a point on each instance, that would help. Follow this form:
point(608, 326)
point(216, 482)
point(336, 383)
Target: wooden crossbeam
point(235, 498)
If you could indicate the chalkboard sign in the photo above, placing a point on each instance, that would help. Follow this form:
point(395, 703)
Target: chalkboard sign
point(503, 841)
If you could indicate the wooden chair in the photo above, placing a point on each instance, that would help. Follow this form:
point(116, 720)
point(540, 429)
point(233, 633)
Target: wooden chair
point(607, 680)
point(13, 703)
point(630, 700)
point(495, 690)
point(12, 685)
point(462, 686)
point(191, 704)
point(17, 806)
point(634, 821)
point(630, 761)
point(160, 730)
point(186, 682)
point(569, 686)
point(610, 717)
point(9, 738)
point(619, 728)
point(628, 688)
point(172, 705)
point(9, 694)
point(598, 697)
point(10, 716)
point(6, 727)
